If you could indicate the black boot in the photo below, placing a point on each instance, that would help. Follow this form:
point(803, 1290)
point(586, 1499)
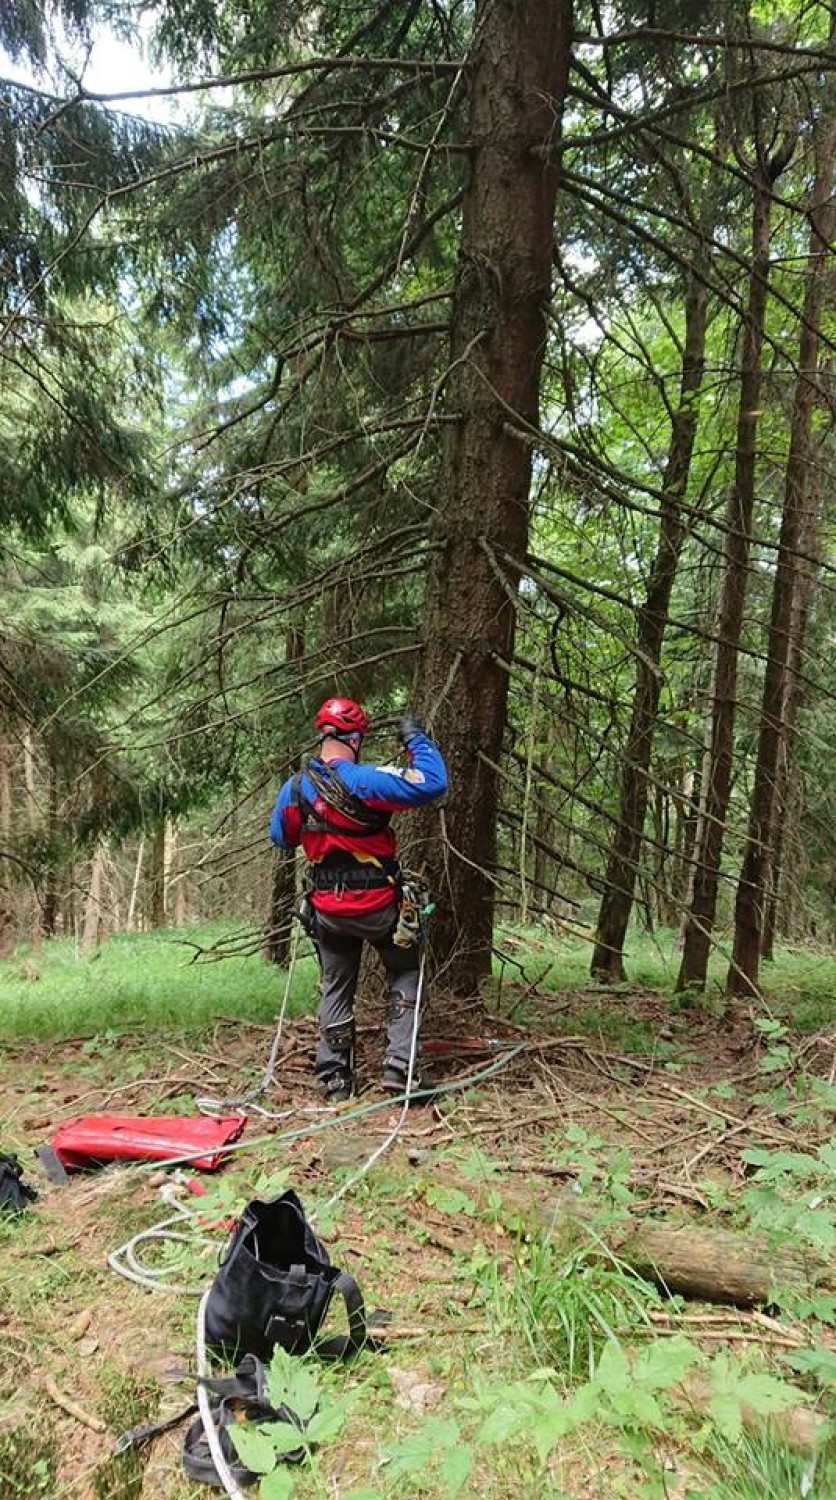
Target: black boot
point(394, 1076)
point(338, 1086)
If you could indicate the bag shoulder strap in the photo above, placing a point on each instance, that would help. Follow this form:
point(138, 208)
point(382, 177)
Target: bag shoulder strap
point(345, 1346)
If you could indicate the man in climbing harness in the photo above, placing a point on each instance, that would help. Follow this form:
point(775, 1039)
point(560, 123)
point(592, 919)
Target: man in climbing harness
point(340, 811)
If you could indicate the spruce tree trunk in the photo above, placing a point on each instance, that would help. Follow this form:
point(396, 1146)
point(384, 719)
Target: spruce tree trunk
point(277, 938)
point(518, 74)
point(49, 909)
point(92, 934)
point(158, 874)
point(799, 495)
point(622, 866)
point(786, 760)
point(717, 768)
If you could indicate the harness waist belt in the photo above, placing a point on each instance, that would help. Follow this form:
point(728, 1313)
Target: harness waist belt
point(349, 878)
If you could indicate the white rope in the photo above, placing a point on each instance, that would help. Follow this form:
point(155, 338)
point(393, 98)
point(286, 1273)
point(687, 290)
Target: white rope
point(209, 1106)
point(395, 1132)
point(225, 1475)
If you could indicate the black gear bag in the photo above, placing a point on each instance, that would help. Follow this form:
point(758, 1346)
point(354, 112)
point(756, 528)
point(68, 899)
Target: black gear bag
point(275, 1285)
point(15, 1194)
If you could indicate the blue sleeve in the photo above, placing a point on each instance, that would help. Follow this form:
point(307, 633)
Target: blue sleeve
point(395, 789)
point(281, 836)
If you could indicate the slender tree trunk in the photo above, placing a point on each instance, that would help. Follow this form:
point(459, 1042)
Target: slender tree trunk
point(178, 878)
point(622, 867)
point(91, 935)
point(158, 872)
point(32, 809)
point(6, 818)
point(129, 921)
point(519, 68)
point(718, 764)
point(49, 909)
point(799, 496)
point(785, 758)
point(7, 900)
point(283, 883)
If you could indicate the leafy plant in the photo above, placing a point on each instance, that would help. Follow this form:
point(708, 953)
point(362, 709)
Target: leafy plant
point(778, 1054)
point(792, 1195)
point(263, 1446)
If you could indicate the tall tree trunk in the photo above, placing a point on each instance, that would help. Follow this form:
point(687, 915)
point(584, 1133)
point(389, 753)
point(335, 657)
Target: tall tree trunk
point(49, 909)
point(283, 882)
point(178, 879)
point(7, 901)
point(796, 528)
point(519, 68)
point(784, 769)
point(717, 771)
point(91, 936)
point(129, 921)
point(622, 866)
point(158, 873)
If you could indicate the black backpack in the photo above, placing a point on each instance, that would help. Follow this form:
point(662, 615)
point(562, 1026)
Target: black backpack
point(15, 1194)
point(275, 1285)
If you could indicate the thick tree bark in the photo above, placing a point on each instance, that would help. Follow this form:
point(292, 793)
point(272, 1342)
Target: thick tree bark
point(622, 866)
point(717, 772)
point(519, 67)
point(799, 495)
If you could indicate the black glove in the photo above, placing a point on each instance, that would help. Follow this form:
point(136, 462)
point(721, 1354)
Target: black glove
point(409, 727)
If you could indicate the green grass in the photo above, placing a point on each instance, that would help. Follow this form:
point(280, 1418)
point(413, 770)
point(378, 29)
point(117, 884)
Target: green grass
point(149, 980)
point(141, 980)
point(799, 986)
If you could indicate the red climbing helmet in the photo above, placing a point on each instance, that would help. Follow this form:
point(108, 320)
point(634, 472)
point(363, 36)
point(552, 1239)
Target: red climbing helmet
point(341, 716)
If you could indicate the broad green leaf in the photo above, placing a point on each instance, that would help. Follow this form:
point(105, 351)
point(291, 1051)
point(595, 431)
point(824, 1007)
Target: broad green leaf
point(283, 1436)
point(450, 1200)
point(613, 1369)
point(253, 1448)
point(279, 1485)
point(291, 1382)
point(455, 1468)
point(327, 1424)
point(419, 1449)
point(665, 1362)
point(818, 1362)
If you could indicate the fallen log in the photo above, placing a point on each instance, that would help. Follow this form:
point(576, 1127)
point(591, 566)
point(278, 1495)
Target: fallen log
point(699, 1262)
point(717, 1265)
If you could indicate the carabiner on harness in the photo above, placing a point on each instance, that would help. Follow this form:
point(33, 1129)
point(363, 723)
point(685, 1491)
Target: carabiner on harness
point(414, 906)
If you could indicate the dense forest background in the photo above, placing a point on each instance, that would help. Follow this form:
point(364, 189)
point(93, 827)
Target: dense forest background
point(468, 355)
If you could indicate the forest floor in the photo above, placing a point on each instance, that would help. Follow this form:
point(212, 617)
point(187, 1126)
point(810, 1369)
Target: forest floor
point(525, 1355)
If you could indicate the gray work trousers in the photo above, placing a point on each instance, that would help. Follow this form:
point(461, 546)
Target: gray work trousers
point(340, 940)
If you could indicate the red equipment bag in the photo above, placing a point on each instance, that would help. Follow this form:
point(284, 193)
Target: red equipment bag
point(100, 1138)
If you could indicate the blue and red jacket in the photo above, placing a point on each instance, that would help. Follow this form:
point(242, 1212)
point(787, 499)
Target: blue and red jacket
point(334, 842)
